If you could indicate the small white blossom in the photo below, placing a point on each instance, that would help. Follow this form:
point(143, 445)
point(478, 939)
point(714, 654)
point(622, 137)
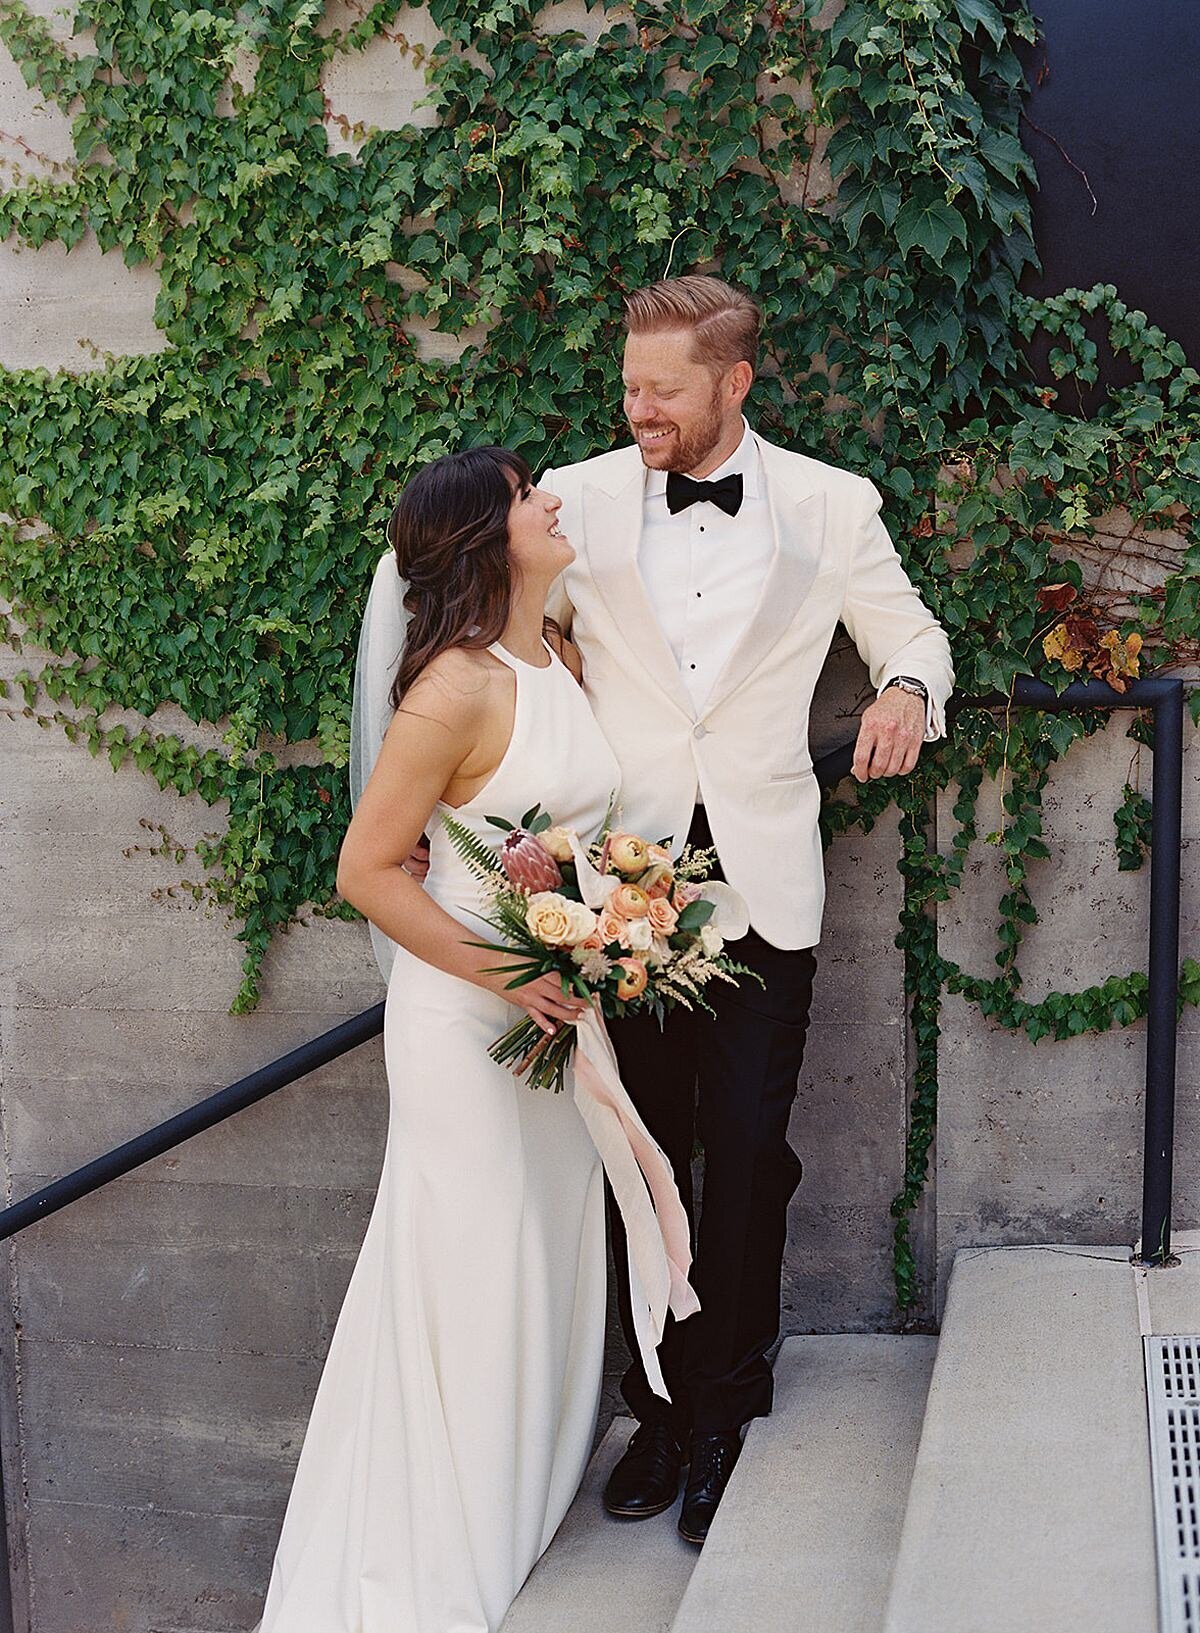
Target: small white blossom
point(711, 940)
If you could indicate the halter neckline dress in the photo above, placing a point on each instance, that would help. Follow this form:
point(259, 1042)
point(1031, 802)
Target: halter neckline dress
point(456, 1410)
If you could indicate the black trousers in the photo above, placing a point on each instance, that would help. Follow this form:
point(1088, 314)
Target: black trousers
point(730, 1081)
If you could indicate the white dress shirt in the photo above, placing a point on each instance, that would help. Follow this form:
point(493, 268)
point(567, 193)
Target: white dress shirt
point(703, 570)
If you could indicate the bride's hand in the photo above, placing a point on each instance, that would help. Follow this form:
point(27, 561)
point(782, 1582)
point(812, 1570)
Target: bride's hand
point(541, 999)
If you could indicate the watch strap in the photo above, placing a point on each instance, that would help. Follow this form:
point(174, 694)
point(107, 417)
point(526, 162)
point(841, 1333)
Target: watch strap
point(909, 683)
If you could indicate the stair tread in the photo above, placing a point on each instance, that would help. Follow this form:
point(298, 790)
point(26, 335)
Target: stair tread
point(601, 1574)
point(807, 1532)
point(1031, 1503)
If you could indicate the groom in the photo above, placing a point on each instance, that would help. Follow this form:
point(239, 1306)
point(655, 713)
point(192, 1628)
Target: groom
point(712, 568)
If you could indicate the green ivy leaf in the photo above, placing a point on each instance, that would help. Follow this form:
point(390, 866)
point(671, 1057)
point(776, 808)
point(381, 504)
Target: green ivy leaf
point(983, 14)
point(930, 225)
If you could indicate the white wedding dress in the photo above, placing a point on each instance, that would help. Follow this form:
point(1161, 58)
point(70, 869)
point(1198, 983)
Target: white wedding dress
point(456, 1410)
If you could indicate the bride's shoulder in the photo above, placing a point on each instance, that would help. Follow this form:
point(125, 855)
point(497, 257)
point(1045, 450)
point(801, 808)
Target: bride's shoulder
point(457, 684)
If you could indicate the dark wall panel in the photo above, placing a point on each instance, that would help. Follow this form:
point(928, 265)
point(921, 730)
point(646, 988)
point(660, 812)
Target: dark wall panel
point(1115, 94)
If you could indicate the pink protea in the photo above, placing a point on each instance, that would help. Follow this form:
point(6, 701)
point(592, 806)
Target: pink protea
point(528, 863)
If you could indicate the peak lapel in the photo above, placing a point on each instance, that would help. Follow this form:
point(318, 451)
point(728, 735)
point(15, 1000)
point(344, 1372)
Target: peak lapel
point(797, 512)
point(612, 520)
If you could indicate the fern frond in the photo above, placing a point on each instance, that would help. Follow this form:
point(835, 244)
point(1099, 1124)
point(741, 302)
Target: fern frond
point(475, 853)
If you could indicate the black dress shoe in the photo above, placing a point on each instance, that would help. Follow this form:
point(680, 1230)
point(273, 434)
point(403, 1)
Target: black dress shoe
point(646, 1480)
point(713, 1457)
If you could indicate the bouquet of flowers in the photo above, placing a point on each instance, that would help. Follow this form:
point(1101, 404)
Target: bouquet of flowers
point(621, 923)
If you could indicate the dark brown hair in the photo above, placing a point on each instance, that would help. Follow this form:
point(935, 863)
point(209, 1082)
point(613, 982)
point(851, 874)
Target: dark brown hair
point(449, 531)
point(724, 321)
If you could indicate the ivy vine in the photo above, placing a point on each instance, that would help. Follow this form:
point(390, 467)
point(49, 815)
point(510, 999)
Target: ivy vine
point(198, 527)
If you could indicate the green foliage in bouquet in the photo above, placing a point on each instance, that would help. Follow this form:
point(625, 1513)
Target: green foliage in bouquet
point(198, 528)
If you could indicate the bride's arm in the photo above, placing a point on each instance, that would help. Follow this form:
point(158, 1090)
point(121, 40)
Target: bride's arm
point(431, 737)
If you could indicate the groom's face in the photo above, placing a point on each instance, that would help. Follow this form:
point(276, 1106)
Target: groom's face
point(679, 410)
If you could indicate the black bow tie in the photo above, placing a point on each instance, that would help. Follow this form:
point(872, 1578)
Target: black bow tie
point(682, 491)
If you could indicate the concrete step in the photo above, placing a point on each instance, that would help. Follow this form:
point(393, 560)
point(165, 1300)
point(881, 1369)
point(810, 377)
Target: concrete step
point(807, 1532)
point(604, 1575)
point(1031, 1503)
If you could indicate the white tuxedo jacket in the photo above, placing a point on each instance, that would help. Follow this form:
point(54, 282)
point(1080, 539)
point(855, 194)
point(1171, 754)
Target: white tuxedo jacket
point(746, 749)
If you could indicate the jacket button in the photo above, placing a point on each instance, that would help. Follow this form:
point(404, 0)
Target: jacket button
point(700, 731)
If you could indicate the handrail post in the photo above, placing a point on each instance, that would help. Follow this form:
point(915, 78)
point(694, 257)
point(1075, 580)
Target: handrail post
point(1163, 997)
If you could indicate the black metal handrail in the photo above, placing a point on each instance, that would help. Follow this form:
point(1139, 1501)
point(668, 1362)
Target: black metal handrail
point(1163, 696)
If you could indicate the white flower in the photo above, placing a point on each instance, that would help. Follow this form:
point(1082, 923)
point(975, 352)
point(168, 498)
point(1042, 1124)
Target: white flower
point(595, 888)
point(711, 939)
point(638, 936)
point(731, 916)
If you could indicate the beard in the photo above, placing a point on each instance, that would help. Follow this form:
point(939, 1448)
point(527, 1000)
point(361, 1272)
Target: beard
point(686, 448)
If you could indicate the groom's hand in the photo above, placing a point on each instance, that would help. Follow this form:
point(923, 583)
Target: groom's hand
point(890, 735)
point(418, 862)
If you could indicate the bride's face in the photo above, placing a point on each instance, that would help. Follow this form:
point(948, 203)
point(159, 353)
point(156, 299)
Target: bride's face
point(536, 544)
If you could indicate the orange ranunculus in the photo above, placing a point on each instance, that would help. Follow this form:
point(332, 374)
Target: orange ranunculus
point(629, 902)
point(627, 853)
point(633, 982)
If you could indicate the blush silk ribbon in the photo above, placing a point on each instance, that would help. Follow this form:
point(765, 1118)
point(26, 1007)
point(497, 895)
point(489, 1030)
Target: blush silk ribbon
point(656, 1225)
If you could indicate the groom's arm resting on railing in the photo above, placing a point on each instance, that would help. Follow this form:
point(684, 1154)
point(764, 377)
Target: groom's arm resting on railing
point(896, 635)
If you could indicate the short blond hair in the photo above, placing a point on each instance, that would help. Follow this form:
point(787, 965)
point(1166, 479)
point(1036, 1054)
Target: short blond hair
point(724, 321)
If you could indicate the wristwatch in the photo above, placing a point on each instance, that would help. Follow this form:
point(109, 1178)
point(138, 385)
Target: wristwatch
point(908, 683)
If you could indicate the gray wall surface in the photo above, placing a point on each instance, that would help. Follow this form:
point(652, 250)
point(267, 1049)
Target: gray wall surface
point(161, 1341)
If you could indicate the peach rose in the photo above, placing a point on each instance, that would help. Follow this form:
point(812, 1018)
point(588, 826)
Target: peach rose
point(657, 880)
point(595, 943)
point(629, 902)
point(557, 922)
point(633, 982)
point(558, 842)
point(662, 916)
point(610, 927)
point(627, 853)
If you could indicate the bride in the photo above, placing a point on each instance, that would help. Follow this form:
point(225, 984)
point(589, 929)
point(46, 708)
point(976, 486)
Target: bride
point(457, 1406)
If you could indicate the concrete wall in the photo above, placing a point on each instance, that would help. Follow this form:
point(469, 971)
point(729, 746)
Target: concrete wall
point(160, 1342)
point(1043, 1142)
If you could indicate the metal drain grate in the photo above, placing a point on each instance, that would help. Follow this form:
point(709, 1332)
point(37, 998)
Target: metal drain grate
point(1173, 1396)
